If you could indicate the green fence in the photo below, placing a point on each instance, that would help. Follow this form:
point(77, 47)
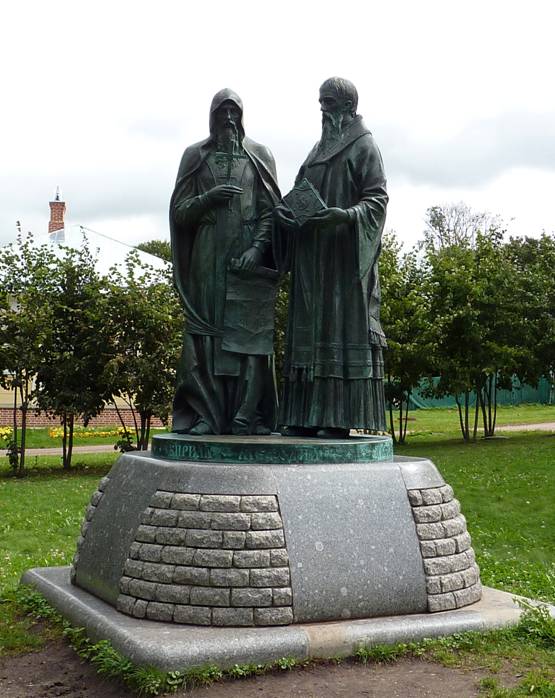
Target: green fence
point(543, 394)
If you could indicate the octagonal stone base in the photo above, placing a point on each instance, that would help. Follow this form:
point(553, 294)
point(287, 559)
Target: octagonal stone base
point(177, 647)
point(332, 529)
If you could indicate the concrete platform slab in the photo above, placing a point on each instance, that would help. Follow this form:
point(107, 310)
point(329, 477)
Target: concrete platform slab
point(179, 647)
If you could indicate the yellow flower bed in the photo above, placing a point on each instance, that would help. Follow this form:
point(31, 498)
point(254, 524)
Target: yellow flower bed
point(58, 432)
point(6, 433)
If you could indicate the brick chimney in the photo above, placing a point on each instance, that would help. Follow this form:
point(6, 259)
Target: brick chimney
point(57, 212)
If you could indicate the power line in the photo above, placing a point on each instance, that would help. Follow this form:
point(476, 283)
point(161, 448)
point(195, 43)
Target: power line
point(103, 235)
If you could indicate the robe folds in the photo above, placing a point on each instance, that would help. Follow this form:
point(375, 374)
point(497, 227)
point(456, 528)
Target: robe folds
point(226, 370)
point(333, 364)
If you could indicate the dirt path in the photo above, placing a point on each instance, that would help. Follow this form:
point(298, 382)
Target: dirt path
point(57, 671)
point(541, 426)
point(57, 450)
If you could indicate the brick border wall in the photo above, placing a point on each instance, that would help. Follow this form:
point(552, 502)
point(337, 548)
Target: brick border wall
point(108, 417)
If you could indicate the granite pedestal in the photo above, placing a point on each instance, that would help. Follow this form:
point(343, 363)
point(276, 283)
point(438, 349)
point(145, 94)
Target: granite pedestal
point(273, 531)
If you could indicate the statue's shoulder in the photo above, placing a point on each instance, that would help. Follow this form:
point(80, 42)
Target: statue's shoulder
point(192, 157)
point(262, 152)
point(365, 143)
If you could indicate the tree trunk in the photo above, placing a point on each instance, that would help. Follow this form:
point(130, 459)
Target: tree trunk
point(64, 441)
point(147, 438)
point(137, 436)
point(14, 415)
point(403, 419)
point(142, 441)
point(459, 407)
point(466, 424)
point(24, 394)
point(391, 418)
point(69, 422)
point(21, 468)
point(123, 424)
point(494, 408)
point(476, 412)
point(481, 393)
point(492, 403)
point(489, 404)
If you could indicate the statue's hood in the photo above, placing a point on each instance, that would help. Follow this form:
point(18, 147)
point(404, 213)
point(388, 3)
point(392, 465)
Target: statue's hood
point(226, 95)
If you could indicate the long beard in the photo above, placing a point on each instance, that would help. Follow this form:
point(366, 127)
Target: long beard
point(227, 138)
point(332, 128)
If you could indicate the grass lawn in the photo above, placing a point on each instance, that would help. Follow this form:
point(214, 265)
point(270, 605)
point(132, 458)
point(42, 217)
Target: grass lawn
point(440, 420)
point(506, 487)
point(40, 514)
point(39, 437)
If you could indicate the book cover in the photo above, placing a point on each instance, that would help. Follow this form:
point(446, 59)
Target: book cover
point(304, 201)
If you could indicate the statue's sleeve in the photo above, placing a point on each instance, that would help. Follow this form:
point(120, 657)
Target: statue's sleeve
point(368, 215)
point(185, 208)
point(283, 240)
point(189, 206)
point(262, 238)
point(368, 219)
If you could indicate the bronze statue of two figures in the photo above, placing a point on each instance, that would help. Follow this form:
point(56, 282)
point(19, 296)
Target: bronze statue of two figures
point(233, 236)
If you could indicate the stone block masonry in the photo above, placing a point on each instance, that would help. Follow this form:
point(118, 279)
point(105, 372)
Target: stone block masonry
point(452, 575)
point(90, 511)
point(205, 559)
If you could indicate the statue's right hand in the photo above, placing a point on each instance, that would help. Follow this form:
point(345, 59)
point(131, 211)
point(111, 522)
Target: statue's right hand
point(285, 217)
point(222, 193)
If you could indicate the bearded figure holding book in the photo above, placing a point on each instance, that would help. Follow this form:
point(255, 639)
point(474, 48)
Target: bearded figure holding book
point(221, 229)
point(333, 365)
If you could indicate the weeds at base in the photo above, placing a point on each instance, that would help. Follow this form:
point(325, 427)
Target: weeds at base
point(533, 684)
point(536, 627)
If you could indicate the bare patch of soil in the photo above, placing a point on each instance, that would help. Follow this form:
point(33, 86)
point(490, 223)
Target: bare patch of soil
point(57, 671)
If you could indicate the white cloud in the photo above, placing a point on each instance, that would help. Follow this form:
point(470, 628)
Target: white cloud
point(101, 98)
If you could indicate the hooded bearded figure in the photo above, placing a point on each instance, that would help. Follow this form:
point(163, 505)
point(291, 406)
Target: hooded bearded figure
point(221, 230)
point(333, 366)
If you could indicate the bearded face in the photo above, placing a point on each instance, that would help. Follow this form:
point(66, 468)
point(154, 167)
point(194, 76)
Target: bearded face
point(227, 126)
point(334, 112)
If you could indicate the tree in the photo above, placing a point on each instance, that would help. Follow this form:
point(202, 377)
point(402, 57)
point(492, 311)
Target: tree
point(533, 284)
point(454, 224)
point(405, 318)
point(454, 327)
point(25, 280)
point(498, 314)
point(146, 323)
point(158, 248)
point(475, 310)
point(73, 379)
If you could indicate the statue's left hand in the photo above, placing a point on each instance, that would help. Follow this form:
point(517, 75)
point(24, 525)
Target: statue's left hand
point(250, 259)
point(329, 216)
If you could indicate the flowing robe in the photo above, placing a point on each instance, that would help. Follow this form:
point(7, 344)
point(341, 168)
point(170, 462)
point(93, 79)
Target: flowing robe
point(226, 369)
point(333, 364)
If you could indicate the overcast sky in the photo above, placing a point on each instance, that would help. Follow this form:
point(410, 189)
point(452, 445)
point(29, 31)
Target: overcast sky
point(101, 98)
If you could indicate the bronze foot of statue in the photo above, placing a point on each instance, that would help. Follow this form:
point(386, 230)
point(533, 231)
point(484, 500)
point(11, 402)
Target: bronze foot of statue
point(332, 433)
point(298, 431)
point(201, 429)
